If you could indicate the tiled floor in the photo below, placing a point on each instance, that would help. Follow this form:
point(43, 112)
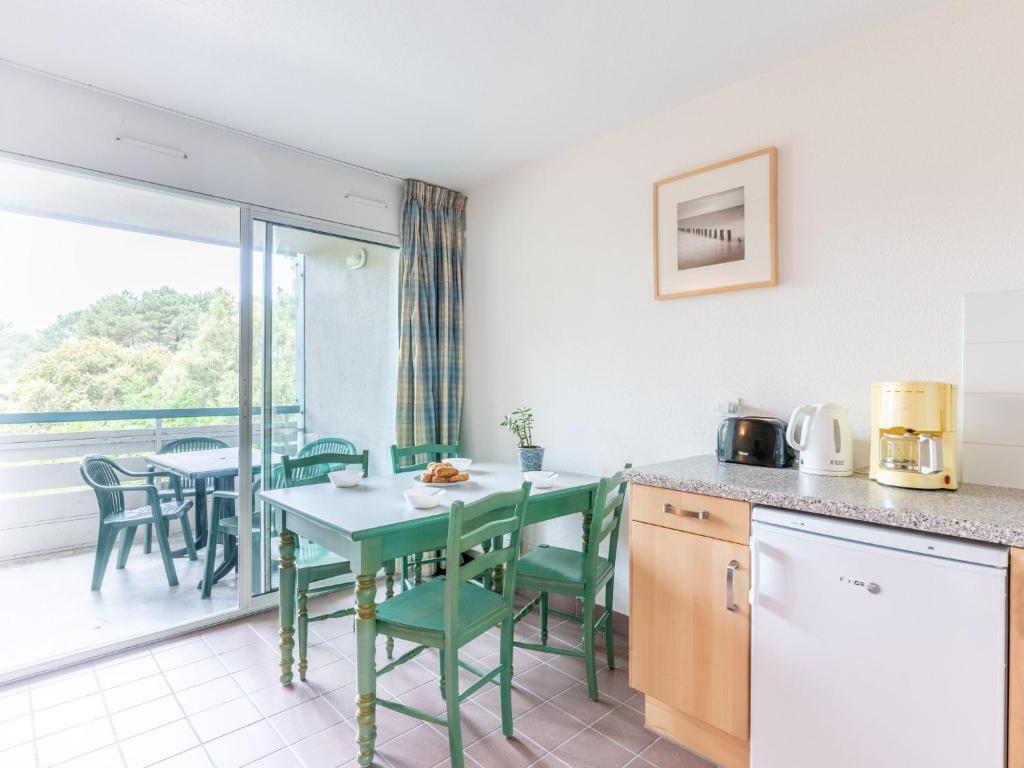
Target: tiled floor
point(212, 699)
point(67, 617)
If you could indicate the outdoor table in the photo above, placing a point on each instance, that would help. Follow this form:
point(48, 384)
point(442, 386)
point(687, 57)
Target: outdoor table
point(372, 523)
point(220, 464)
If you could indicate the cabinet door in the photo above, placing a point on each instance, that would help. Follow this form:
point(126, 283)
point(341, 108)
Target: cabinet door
point(687, 649)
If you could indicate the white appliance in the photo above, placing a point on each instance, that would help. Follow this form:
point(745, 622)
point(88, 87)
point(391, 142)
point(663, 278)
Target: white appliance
point(821, 433)
point(874, 647)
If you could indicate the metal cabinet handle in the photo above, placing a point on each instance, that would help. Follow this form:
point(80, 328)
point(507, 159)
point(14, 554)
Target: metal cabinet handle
point(702, 514)
point(730, 578)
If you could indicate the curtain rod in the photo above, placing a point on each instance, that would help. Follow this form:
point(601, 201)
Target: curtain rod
point(193, 118)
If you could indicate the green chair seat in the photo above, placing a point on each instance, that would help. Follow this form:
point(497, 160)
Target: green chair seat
point(555, 567)
point(308, 554)
point(169, 510)
point(422, 609)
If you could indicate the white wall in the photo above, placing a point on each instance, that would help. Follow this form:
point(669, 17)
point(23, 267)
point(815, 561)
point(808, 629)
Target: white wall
point(61, 122)
point(993, 388)
point(352, 347)
point(901, 188)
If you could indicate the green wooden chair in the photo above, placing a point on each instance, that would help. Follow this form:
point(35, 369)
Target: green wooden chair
point(103, 475)
point(404, 459)
point(583, 575)
point(175, 483)
point(426, 452)
point(449, 612)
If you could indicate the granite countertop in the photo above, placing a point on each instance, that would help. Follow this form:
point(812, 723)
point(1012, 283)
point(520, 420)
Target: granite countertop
point(979, 512)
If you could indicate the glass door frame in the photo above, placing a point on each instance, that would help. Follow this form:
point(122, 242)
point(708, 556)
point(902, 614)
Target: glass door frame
point(250, 602)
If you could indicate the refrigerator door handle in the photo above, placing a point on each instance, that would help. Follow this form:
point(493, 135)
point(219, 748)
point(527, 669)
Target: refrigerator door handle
point(754, 563)
point(730, 578)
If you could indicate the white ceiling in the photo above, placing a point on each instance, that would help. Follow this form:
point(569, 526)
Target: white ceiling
point(451, 91)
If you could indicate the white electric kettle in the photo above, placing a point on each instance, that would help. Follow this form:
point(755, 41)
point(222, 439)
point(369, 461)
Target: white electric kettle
point(821, 433)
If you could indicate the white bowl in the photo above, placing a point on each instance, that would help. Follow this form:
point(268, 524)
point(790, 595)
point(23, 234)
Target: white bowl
point(425, 498)
point(460, 464)
point(345, 478)
point(541, 478)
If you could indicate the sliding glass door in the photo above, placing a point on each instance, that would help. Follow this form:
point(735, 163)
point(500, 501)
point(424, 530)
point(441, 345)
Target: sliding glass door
point(119, 337)
point(324, 352)
point(142, 324)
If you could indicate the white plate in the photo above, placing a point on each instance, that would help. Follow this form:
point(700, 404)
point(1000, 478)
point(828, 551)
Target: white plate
point(442, 485)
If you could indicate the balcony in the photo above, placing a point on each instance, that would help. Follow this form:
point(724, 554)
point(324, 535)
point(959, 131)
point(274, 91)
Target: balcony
point(49, 522)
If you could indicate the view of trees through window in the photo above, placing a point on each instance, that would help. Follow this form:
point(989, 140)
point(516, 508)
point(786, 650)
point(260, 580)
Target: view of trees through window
point(136, 346)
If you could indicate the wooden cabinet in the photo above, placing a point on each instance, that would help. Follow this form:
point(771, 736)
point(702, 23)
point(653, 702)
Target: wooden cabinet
point(710, 516)
point(690, 624)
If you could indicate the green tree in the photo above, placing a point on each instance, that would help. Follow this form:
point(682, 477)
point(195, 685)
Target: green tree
point(91, 374)
point(163, 316)
point(204, 374)
point(161, 349)
point(15, 349)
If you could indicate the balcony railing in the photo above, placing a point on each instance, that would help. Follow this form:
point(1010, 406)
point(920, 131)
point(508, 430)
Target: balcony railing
point(45, 508)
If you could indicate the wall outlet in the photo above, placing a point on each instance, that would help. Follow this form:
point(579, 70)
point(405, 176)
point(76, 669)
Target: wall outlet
point(729, 406)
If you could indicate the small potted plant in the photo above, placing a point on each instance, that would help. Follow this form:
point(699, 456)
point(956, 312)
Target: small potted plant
point(520, 424)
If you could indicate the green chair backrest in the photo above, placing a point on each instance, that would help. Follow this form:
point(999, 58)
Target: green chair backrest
point(100, 474)
point(605, 520)
point(194, 443)
point(320, 446)
point(429, 451)
point(292, 467)
point(495, 518)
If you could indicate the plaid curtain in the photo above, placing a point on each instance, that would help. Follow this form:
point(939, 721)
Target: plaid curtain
point(430, 360)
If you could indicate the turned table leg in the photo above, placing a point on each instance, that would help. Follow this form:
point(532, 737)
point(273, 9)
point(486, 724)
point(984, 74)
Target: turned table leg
point(286, 575)
point(366, 670)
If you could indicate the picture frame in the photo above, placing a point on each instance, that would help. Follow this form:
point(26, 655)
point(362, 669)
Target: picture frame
point(715, 227)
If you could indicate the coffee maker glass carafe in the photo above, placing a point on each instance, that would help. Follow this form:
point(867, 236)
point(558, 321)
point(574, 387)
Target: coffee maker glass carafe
point(909, 451)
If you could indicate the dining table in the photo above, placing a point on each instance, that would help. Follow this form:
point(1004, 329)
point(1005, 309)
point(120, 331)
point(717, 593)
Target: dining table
point(220, 465)
point(372, 523)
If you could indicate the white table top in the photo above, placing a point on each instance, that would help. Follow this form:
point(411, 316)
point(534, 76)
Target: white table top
point(377, 502)
point(214, 462)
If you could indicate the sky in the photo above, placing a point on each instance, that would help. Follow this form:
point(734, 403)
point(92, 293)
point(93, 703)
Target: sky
point(50, 267)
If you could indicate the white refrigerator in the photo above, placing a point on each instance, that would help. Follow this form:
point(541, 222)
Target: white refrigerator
point(874, 647)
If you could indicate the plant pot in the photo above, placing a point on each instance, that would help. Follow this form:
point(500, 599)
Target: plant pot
point(531, 458)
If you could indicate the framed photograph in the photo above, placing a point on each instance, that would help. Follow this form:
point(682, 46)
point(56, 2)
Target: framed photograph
point(714, 228)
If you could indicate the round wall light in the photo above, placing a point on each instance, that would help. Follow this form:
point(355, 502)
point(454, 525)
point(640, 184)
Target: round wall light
point(356, 259)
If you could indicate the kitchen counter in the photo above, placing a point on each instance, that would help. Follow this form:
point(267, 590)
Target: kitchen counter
point(979, 512)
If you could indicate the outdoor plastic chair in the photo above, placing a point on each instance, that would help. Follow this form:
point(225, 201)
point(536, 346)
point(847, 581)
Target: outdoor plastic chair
point(103, 475)
point(186, 486)
point(318, 447)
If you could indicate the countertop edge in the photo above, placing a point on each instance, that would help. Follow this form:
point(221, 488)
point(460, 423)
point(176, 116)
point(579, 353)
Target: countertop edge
point(919, 521)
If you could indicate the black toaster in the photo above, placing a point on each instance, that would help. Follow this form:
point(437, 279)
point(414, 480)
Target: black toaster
point(759, 441)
